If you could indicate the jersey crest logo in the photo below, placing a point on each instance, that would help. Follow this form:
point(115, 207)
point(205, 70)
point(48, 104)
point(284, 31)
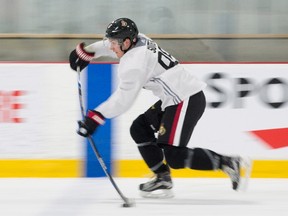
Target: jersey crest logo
point(162, 130)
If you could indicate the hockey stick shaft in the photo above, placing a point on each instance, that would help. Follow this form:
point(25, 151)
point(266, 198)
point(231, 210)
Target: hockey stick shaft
point(93, 145)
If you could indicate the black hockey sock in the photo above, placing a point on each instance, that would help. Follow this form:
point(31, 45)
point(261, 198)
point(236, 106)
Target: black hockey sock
point(197, 158)
point(153, 156)
point(203, 159)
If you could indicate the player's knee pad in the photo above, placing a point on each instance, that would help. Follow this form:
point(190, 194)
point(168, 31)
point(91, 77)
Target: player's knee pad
point(140, 131)
point(175, 156)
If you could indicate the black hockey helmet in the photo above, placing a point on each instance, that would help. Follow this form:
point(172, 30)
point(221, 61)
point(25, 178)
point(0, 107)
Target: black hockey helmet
point(121, 29)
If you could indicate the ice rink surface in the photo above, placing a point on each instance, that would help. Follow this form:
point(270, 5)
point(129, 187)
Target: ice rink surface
point(96, 196)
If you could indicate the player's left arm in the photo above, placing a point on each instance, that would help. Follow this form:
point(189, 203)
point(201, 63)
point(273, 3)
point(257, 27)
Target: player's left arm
point(119, 102)
point(130, 84)
point(82, 55)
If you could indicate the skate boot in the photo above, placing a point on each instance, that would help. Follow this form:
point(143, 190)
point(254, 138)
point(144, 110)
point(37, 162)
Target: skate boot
point(231, 166)
point(159, 187)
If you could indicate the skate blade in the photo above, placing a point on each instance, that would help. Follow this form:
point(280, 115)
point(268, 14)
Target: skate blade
point(157, 194)
point(246, 169)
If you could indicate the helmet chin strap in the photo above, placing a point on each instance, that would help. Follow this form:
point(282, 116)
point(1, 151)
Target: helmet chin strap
point(121, 47)
point(131, 45)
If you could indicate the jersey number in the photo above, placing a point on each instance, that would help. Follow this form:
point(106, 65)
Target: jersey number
point(166, 60)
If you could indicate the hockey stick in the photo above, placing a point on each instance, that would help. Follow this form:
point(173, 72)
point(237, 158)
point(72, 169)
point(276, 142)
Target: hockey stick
point(127, 202)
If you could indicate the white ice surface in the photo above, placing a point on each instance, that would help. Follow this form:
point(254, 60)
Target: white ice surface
point(96, 196)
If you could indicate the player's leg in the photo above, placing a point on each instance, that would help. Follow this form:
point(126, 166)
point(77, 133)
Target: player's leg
point(203, 159)
point(180, 122)
point(142, 131)
point(166, 122)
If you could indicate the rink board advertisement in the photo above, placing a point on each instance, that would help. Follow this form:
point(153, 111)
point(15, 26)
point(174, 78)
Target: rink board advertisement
point(246, 114)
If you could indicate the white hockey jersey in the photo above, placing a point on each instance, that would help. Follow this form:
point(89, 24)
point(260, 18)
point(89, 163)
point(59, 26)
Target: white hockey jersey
point(147, 66)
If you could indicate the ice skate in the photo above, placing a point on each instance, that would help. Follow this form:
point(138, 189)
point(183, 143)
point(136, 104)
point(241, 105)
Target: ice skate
point(159, 187)
point(231, 166)
point(245, 172)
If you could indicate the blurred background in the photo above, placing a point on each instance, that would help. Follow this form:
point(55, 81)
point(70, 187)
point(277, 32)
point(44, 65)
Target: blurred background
point(192, 30)
point(39, 104)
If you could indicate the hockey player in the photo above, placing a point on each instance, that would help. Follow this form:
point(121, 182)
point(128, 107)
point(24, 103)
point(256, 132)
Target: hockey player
point(144, 65)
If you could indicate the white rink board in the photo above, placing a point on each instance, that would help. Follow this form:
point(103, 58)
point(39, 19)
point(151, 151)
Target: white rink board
point(50, 110)
point(226, 129)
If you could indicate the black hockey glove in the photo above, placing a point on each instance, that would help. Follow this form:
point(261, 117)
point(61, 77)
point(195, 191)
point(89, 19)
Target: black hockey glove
point(91, 121)
point(80, 57)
